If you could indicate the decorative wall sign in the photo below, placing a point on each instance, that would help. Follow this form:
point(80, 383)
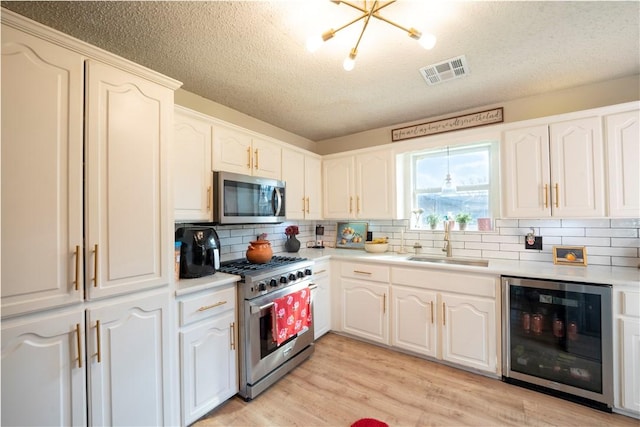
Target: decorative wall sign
point(481, 118)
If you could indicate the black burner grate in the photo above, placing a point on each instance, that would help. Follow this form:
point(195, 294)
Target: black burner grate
point(241, 267)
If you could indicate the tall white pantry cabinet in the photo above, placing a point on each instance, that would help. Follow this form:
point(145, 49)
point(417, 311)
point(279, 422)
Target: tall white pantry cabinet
point(85, 233)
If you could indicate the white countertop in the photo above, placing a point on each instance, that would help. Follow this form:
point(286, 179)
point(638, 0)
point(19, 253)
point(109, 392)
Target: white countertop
point(188, 286)
point(616, 276)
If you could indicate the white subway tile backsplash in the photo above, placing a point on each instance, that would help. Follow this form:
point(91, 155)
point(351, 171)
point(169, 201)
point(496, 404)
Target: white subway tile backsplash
point(633, 243)
point(612, 232)
point(626, 223)
point(580, 232)
point(592, 223)
point(608, 241)
point(586, 241)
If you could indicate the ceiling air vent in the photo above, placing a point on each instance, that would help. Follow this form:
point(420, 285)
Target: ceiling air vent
point(448, 70)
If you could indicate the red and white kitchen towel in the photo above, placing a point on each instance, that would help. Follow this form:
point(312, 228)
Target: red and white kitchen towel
point(290, 315)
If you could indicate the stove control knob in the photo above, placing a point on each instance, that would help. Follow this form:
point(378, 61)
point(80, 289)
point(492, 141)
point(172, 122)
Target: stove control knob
point(283, 279)
point(300, 274)
point(273, 283)
point(262, 286)
point(292, 277)
point(308, 272)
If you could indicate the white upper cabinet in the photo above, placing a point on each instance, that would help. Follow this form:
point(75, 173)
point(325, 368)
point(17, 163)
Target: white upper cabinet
point(622, 132)
point(128, 126)
point(359, 186)
point(555, 170)
point(42, 113)
point(237, 151)
point(301, 173)
point(191, 161)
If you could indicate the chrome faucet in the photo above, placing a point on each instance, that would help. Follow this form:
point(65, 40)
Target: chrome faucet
point(447, 241)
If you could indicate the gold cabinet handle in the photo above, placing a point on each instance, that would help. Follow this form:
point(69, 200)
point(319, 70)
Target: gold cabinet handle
point(76, 282)
point(233, 335)
point(320, 271)
point(208, 198)
point(79, 345)
point(557, 195)
point(209, 307)
point(99, 350)
point(249, 157)
point(350, 204)
point(444, 314)
point(362, 272)
point(358, 204)
point(307, 205)
point(546, 195)
point(303, 205)
point(256, 163)
point(95, 265)
point(384, 303)
point(431, 304)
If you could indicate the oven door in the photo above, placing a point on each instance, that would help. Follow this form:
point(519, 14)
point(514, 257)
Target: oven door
point(263, 354)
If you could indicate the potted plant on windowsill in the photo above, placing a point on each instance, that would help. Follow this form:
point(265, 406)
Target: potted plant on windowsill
point(463, 219)
point(433, 219)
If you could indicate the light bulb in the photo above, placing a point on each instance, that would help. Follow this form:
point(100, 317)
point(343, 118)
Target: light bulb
point(427, 41)
point(348, 63)
point(314, 43)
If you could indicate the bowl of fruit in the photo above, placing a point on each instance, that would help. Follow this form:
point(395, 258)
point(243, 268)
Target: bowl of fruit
point(377, 245)
point(347, 233)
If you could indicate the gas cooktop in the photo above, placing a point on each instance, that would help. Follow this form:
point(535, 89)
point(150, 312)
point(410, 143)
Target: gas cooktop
point(243, 266)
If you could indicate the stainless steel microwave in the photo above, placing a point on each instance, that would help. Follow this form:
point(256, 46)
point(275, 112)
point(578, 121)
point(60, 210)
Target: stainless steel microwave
point(243, 199)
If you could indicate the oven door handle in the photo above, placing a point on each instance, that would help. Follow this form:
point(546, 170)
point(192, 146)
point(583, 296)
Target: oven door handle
point(313, 287)
point(258, 308)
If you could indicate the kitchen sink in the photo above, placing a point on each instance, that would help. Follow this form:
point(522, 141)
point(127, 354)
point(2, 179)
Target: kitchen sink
point(456, 261)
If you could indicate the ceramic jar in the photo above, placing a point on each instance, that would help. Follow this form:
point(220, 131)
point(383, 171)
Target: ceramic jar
point(259, 251)
point(292, 244)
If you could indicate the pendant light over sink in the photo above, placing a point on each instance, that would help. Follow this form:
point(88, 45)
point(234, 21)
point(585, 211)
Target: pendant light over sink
point(368, 9)
point(448, 187)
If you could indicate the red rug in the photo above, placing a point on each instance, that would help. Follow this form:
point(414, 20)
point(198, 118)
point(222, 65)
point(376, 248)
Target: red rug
point(369, 422)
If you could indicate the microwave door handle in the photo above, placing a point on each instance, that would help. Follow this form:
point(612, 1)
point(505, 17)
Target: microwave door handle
point(277, 201)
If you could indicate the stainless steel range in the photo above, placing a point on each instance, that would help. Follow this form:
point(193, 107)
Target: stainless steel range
point(262, 360)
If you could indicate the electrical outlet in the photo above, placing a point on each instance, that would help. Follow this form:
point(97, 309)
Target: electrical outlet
point(537, 243)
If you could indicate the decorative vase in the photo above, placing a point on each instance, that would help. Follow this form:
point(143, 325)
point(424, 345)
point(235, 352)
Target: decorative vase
point(292, 244)
point(463, 226)
point(433, 225)
point(259, 251)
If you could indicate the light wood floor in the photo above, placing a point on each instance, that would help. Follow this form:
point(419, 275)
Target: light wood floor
point(346, 380)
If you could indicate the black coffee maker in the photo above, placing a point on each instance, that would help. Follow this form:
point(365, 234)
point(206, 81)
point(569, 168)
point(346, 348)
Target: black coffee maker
point(199, 251)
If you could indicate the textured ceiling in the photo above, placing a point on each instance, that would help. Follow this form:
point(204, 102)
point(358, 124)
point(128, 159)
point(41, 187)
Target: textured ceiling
point(251, 56)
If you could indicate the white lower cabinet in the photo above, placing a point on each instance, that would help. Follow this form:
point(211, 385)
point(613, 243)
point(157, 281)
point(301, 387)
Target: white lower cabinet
point(44, 370)
point(364, 299)
point(414, 320)
point(121, 353)
point(128, 362)
point(627, 348)
point(469, 331)
point(208, 350)
point(321, 298)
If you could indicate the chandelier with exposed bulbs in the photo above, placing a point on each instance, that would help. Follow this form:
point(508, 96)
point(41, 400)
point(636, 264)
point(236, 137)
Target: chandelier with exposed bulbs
point(368, 10)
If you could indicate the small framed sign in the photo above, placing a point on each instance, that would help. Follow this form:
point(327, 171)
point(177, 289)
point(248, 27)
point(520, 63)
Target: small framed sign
point(570, 255)
point(351, 235)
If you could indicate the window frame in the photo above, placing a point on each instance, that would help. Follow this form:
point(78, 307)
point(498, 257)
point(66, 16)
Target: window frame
point(494, 186)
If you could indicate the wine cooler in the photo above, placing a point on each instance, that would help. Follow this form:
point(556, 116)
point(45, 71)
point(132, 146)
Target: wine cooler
point(557, 338)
